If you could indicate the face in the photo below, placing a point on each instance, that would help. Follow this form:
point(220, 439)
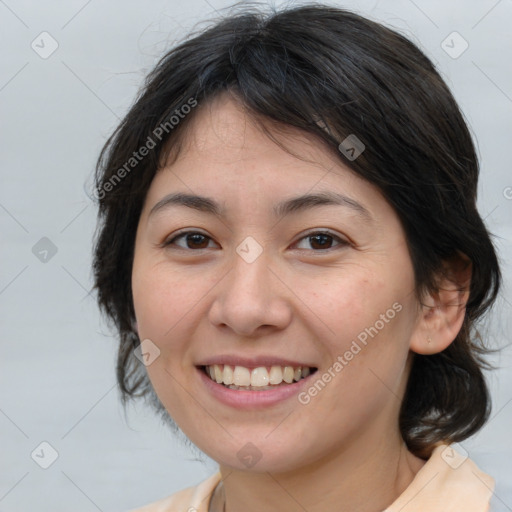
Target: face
point(260, 290)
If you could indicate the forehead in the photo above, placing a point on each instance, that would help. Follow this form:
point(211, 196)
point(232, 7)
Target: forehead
point(226, 154)
point(224, 131)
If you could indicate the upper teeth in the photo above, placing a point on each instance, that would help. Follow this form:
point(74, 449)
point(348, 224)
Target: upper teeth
point(258, 377)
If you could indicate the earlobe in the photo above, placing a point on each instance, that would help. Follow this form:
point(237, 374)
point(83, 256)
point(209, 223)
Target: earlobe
point(442, 312)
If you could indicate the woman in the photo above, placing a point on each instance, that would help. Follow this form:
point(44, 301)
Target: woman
point(289, 243)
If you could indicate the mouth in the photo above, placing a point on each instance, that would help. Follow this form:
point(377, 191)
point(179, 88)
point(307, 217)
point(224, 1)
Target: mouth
point(261, 378)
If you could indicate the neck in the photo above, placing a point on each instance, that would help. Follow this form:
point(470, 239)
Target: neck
point(363, 476)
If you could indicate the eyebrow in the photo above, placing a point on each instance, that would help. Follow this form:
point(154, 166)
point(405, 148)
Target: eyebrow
point(293, 205)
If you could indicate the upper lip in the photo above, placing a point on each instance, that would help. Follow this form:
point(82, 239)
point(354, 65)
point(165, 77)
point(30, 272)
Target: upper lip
point(252, 362)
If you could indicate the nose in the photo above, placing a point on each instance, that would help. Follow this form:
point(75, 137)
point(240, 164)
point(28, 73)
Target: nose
point(251, 299)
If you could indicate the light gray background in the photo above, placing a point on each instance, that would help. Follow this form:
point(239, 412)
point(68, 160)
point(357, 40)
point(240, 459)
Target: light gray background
point(57, 376)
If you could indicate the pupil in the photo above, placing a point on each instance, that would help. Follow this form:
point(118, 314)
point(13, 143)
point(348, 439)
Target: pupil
point(323, 239)
point(196, 239)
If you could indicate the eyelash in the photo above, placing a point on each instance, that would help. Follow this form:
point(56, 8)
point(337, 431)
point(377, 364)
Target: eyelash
point(342, 243)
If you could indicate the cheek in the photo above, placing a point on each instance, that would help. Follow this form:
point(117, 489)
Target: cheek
point(352, 303)
point(163, 299)
point(160, 296)
point(168, 306)
point(370, 321)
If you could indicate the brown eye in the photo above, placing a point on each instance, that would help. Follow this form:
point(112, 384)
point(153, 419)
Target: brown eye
point(322, 240)
point(193, 240)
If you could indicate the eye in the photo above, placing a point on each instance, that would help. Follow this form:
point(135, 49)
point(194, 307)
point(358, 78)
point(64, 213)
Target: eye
point(193, 240)
point(318, 240)
point(322, 240)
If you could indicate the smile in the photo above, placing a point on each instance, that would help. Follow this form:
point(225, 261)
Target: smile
point(256, 379)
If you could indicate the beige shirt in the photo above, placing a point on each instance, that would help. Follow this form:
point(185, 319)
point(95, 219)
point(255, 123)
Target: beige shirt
point(448, 482)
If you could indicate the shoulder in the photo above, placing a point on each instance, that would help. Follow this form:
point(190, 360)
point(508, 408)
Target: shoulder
point(176, 502)
point(448, 482)
point(191, 499)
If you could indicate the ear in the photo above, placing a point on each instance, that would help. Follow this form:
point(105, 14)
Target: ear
point(442, 311)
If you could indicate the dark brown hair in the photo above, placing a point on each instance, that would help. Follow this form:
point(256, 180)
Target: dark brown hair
point(330, 73)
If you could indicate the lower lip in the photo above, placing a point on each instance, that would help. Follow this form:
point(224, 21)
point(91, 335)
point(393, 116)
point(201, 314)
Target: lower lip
point(251, 399)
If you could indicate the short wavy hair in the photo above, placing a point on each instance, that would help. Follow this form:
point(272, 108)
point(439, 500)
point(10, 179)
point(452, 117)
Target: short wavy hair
point(331, 73)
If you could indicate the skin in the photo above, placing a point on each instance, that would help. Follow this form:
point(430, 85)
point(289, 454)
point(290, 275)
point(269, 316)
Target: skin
point(343, 450)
